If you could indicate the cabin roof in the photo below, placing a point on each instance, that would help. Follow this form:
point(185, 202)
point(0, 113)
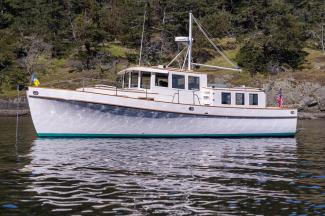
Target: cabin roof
point(157, 70)
point(238, 89)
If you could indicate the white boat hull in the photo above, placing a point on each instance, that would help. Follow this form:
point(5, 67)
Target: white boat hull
point(63, 113)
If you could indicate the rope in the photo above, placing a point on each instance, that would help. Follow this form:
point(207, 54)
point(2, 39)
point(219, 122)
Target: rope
point(17, 114)
point(17, 123)
point(171, 62)
point(185, 58)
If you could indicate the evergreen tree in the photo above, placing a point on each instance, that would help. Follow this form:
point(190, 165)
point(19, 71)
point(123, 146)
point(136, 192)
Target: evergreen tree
point(272, 33)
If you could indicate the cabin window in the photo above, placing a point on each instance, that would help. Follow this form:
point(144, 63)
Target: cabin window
point(134, 79)
point(145, 80)
point(161, 80)
point(193, 83)
point(225, 98)
point(178, 81)
point(240, 99)
point(253, 99)
point(126, 80)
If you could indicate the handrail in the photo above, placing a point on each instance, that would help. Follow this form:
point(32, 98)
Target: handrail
point(116, 89)
point(77, 81)
point(176, 93)
point(195, 95)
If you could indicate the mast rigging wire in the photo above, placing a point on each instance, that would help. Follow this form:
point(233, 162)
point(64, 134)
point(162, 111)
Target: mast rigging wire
point(214, 45)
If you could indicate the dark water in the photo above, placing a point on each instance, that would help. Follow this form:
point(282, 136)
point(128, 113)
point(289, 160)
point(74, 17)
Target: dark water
point(162, 176)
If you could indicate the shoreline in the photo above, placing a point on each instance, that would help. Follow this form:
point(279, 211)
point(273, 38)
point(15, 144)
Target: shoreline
point(311, 115)
point(301, 115)
point(13, 113)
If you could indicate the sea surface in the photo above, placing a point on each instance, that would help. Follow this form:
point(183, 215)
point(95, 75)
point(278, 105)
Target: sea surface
point(282, 176)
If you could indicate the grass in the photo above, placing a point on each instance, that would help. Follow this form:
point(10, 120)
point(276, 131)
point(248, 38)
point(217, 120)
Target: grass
point(5, 94)
point(313, 69)
point(118, 51)
point(312, 54)
point(55, 69)
point(59, 62)
point(220, 61)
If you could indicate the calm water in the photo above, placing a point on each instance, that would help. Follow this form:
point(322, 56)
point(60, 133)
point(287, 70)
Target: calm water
point(161, 176)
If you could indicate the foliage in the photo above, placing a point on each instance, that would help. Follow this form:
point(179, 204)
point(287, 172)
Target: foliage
point(251, 57)
point(277, 46)
point(272, 33)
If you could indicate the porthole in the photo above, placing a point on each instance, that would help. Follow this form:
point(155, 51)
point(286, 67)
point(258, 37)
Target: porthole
point(191, 108)
point(35, 92)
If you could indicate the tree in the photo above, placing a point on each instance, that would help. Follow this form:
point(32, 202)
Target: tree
point(278, 42)
point(32, 48)
point(251, 56)
point(7, 55)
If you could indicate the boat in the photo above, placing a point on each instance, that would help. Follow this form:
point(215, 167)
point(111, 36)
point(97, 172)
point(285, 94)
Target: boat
point(160, 101)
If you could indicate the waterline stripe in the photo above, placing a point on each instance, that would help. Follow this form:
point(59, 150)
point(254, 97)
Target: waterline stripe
point(70, 135)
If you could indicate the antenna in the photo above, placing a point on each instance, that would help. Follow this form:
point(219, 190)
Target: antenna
point(144, 21)
point(189, 67)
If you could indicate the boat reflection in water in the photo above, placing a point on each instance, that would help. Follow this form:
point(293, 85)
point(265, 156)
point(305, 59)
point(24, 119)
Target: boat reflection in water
point(174, 176)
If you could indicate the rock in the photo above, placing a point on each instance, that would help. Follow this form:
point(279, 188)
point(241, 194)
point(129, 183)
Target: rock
point(13, 113)
point(300, 108)
point(311, 115)
point(312, 103)
point(304, 95)
point(11, 103)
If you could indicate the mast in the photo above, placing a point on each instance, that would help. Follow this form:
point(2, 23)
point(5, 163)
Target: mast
point(189, 67)
point(188, 41)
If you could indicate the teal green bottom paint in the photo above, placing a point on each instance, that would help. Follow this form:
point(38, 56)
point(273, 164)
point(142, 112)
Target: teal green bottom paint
point(66, 135)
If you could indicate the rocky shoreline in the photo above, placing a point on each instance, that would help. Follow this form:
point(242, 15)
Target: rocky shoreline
point(13, 113)
point(310, 116)
point(8, 107)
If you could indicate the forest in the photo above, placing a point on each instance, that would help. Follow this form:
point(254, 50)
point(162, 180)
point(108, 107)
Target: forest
point(60, 39)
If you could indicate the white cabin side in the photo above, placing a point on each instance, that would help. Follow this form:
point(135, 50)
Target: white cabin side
point(236, 97)
point(184, 87)
point(168, 85)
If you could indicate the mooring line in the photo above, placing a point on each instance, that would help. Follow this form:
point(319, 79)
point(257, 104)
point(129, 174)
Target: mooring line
point(17, 122)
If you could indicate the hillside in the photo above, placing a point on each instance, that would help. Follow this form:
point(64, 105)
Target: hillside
point(68, 43)
point(304, 88)
point(62, 39)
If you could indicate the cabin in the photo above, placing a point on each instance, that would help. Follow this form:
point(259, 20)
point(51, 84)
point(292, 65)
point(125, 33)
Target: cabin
point(189, 87)
point(175, 85)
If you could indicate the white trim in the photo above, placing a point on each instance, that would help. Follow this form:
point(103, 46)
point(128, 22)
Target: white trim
point(144, 69)
point(217, 67)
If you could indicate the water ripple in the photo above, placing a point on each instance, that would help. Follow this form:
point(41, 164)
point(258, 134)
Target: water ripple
point(162, 176)
point(165, 176)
